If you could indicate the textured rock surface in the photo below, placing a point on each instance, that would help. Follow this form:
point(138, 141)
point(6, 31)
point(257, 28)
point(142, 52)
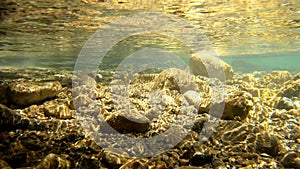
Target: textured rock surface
point(200, 65)
point(54, 161)
point(129, 121)
point(27, 93)
point(254, 132)
point(278, 77)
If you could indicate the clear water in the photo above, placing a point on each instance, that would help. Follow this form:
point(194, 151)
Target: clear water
point(250, 35)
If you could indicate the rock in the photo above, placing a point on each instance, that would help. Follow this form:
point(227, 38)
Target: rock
point(87, 162)
point(129, 121)
point(4, 165)
point(60, 110)
point(200, 64)
point(277, 77)
point(134, 163)
point(297, 104)
point(291, 160)
point(297, 76)
point(27, 93)
point(113, 160)
point(10, 119)
point(54, 161)
point(200, 159)
point(291, 90)
point(284, 103)
point(3, 88)
point(249, 79)
point(267, 143)
point(237, 103)
point(175, 79)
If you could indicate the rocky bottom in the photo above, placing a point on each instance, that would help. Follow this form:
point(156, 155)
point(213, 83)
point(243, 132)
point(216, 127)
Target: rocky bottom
point(250, 121)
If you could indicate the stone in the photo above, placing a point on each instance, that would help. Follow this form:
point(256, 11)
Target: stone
point(175, 79)
point(200, 159)
point(134, 163)
point(291, 160)
point(237, 104)
point(291, 90)
point(3, 88)
point(200, 64)
point(54, 161)
point(4, 164)
point(297, 76)
point(267, 143)
point(277, 77)
point(60, 111)
point(28, 93)
point(113, 160)
point(10, 119)
point(284, 103)
point(129, 121)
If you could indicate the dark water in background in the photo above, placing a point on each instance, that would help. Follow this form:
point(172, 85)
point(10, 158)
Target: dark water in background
point(249, 35)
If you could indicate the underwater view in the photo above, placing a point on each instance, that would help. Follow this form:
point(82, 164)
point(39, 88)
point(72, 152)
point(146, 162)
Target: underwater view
point(187, 84)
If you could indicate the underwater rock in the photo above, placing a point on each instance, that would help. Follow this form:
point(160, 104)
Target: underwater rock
point(27, 93)
point(112, 160)
point(237, 103)
point(200, 159)
point(291, 160)
point(267, 143)
point(200, 64)
point(4, 164)
point(54, 161)
point(297, 76)
point(291, 90)
point(129, 121)
point(277, 77)
point(134, 163)
point(284, 103)
point(60, 111)
point(10, 119)
point(3, 88)
point(175, 79)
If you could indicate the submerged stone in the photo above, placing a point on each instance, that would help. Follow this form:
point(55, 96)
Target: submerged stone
point(175, 79)
point(200, 64)
point(291, 160)
point(61, 111)
point(10, 119)
point(284, 103)
point(4, 165)
point(291, 90)
point(54, 161)
point(277, 77)
point(129, 121)
point(28, 93)
point(236, 104)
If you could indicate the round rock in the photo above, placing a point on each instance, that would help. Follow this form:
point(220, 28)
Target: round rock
point(129, 121)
